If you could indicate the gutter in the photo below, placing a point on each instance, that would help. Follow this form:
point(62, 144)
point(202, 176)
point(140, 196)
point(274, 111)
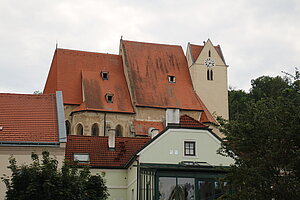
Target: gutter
point(29, 144)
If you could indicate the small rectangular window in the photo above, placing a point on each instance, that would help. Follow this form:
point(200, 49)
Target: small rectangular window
point(172, 79)
point(104, 75)
point(109, 98)
point(82, 157)
point(189, 148)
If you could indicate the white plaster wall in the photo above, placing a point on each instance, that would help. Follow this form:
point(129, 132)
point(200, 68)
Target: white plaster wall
point(116, 182)
point(23, 156)
point(169, 148)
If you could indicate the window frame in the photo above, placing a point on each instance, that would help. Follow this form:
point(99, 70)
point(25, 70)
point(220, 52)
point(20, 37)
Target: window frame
point(77, 130)
point(171, 79)
point(189, 148)
point(107, 96)
point(104, 74)
point(77, 156)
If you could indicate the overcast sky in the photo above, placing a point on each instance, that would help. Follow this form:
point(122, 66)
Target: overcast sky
point(258, 37)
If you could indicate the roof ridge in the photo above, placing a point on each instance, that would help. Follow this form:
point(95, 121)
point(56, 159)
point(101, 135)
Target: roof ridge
point(83, 51)
point(183, 122)
point(20, 94)
point(152, 43)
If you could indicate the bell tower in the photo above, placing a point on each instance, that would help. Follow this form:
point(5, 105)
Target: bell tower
point(208, 71)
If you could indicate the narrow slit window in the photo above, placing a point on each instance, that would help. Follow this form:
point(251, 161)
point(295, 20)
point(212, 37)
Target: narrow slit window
point(79, 129)
point(209, 54)
point(172, 79)
point(68, 127)
point(211, 75)
point(208, 75)
point(104, 75)
point(95, 130)
point(109, 98)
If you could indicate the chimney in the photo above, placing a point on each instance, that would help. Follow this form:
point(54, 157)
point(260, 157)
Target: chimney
point(172, 117)
point(111, 140)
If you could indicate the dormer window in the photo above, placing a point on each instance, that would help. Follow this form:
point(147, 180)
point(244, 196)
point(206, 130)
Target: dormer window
point(109, 98)
point(104, 75)
point(82, 157)
point(1, 128)
point(172, 79)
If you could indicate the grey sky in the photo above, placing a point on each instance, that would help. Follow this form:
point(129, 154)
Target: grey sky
point(258, 37)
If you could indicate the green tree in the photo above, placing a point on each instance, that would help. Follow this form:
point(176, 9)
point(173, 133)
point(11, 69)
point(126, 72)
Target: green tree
point(43, 180)
point(264, 141)
point(237, 100)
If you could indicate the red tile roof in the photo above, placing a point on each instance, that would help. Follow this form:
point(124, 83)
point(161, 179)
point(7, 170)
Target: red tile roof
point(206, 116)
point(189, 122)
point(196, 50)
point(70, 70)
point(141, 128)
point(95, 90)
point(100, 155)
point(28, 118)
point(125, 147)
point(149, 66)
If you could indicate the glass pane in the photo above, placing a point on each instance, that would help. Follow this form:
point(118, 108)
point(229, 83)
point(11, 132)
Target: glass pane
point(219, 189)
point(206, 192)
point(186, 188)
point(167, 188)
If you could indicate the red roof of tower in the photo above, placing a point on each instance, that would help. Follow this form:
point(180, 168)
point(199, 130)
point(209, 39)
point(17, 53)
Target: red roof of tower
point(196, 50)
point(28, 118)
point(149, 66)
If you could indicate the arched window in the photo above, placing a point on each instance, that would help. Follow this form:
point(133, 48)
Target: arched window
point(95, 130)
point(119, 130)
point(68, 127)
point(79, 129)
point(208, 75)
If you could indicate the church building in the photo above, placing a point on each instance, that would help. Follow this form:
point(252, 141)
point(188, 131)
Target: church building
point(146, 118)
point(141, 90)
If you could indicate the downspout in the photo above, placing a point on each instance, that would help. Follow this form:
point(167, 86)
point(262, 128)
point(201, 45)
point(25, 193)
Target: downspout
point(62, 136)
point(137, 180)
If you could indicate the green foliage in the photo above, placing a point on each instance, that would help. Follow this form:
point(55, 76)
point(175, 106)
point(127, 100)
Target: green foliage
point(264, 141)
point(237, 100)
point(43, 180)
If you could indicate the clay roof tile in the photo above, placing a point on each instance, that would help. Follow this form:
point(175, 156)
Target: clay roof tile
point(100, 155)
point(149, 66)
point(28, 118)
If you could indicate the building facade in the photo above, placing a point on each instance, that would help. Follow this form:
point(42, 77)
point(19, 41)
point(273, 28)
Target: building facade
point(30, 123)
point(181, 162)
point(138, 86)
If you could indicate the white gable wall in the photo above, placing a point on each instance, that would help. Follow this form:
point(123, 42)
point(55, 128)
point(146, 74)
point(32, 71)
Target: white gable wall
point(169, 148)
